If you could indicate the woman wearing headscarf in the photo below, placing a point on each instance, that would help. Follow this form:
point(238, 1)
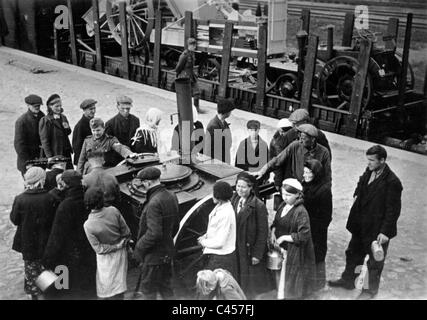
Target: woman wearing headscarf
point(32, 212)
point(54, 130)
point(219, 241)
point(251, 237)
point(108, 234)
point(291, 231)
point(147, 138)
point(318, 202)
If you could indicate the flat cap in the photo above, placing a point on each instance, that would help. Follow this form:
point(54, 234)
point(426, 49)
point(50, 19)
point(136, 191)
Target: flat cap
point(124, 100)
point(284, 123)
point(96, 122)
point(253, 124)
point(308, 129)
point(72, 178)
point(299, 115)
point(33, 100)
point(52, 99)
point(87, 103)
point(225, 105)
point(149, 173)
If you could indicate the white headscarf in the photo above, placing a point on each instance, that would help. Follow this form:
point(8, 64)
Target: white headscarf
point(149, 129)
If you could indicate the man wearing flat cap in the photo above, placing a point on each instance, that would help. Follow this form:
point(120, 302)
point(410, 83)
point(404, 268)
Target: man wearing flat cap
point(82, 129)
point(124, 124)
point(218, 135)
point(298, 152)
point(27, 139)
point(158, 225)
point(100, 141)
point(252, 153)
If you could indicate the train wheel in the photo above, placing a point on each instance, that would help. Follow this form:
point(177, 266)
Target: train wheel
point(188, 258)
point(139, 17)
point(287, 86)
point(336, 81)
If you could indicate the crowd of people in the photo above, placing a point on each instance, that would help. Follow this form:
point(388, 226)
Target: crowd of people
point(72, 215)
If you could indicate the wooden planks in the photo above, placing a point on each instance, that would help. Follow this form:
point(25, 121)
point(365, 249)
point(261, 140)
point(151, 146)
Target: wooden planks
point(72, 33)
point(262, 68)
point(225, 63)
point(157, 49)
point(99, 63)
point(124, 39)
point(310, 66)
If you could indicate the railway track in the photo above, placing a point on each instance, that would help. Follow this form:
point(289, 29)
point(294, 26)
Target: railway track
point(378, 15)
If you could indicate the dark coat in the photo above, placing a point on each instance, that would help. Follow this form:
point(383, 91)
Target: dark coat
point(198, 133)
point(68, 244)
point(50, 182)
point(250, 159)
point(121, 128)
point(251, 241)
point(377, 206)
point(27, 139)
point(158, 225)
point(33, 212)
point(218, 139)
point(185, 66)
point(54, 136)
point(300, 272)
point(80, 133)
point(318, 202)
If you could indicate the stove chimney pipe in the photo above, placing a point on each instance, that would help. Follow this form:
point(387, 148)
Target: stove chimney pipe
point(185, 118)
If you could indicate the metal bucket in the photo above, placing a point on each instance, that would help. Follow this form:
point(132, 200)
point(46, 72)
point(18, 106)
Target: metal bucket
point(274, 260)
point(46, 279)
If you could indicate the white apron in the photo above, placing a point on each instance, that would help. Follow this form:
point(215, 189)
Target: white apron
point(111, 273)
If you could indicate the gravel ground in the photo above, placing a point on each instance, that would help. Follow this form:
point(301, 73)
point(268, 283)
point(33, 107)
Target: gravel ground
point(405, 272)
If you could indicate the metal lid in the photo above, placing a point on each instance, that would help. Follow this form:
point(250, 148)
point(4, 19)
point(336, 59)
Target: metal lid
point(173, 172)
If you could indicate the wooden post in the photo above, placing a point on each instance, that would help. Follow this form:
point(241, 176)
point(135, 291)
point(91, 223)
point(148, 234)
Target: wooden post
point(99, 63)
point(72, 33)
point(347, 35)
point(157, 48)
point(188, 27)
point(405, 61)
point(302, 37)
point(358, 87)
point(124, 39)
point(390, 38)
point(262, 67)
point(330, 44)
point(425, 84)
point(310, 65)
point(226, 56)
point(305, 17)
point(55, 43)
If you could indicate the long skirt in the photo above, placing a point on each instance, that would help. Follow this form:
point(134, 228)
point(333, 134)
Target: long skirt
point(111, 273)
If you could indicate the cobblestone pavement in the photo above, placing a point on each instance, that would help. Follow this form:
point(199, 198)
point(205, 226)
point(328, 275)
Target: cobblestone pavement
point(404, 275)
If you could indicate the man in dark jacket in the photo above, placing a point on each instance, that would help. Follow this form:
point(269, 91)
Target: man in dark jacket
point(373, 216)
point(218, 138)
point(82, 128)
point(57, 166)
point(68, 245)
point(124, 124)
point(185, 69)
point(27, 139)
point(158, 225)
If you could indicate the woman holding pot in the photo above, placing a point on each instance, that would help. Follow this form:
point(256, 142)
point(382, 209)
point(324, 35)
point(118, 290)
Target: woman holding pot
point(291, 231)
point(318, 202)
point(251, 238)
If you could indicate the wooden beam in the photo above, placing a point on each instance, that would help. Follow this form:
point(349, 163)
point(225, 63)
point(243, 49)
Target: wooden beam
point(330, 44)
point(405, 61)
point(55, 43)
point(305, 17)
point(124, 39)
point(188, 27)
point(358, 87)
point(73, 43)
point(390, 38)
point(347, 35)
point(425, 83)
point(225, 62)
point(99, 63)
point(310, 66)
point(302, 37)
point(157, 49)
point(262, 68)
